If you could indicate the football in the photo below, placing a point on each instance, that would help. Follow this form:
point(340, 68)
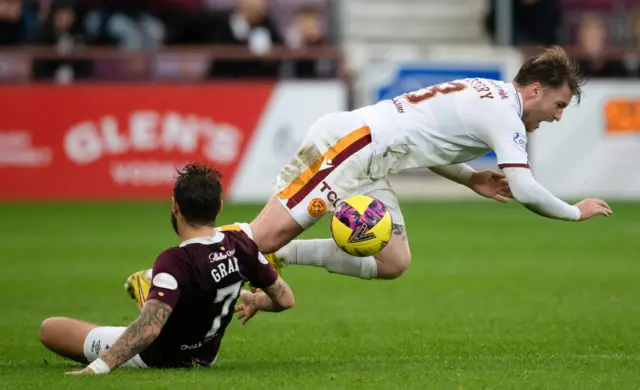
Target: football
point(361, 225)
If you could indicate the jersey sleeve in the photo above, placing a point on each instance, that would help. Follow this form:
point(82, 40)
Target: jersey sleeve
point(167, 278)
point(537, 198)
point(263, 275)
point(254, 267)
point(505, 133)
point(508, 139)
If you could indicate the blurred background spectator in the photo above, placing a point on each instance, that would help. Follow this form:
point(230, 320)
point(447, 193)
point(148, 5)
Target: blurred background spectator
point(590, 28)
point(64, 29)
point(186, 21)
point(248, 25)
point(125, 23)
point(308, 29)
point(593, 38)
point(535, 21)
point(18, 22)
point(603, 35)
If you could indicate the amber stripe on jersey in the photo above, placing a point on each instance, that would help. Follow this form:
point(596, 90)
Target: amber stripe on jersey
point(302, 185)
point(232, 227)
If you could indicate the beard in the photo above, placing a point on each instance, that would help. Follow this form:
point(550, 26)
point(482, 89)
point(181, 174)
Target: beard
point(174, 222)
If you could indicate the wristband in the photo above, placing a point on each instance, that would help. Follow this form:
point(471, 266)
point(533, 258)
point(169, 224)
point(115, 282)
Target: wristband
point(99, 367)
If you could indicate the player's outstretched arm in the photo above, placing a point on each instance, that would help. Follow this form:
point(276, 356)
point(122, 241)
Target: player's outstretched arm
point(275, 298)
point(459, 173)
point(538, 199)
point(138, 336)
point(280, 297)
point(507, 136)
point(488, 183)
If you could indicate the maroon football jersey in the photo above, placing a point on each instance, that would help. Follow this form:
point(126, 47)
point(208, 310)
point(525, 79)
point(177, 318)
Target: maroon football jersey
point(201, 280)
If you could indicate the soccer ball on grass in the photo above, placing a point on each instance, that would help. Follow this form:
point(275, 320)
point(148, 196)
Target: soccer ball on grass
point(361, 225)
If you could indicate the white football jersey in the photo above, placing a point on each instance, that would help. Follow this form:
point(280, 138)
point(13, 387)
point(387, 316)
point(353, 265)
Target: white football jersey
point(447, 124)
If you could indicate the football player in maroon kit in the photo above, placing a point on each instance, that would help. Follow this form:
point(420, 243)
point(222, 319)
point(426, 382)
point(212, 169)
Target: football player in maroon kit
point(193, 291)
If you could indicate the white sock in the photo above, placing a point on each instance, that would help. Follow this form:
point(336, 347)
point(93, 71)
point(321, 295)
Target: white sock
point(326, 254)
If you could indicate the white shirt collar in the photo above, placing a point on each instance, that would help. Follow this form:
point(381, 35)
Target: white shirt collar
point(208, 240)
point(517, 99)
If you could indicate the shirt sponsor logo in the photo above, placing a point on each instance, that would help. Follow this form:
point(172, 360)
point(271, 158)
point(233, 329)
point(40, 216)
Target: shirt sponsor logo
point(520, 140)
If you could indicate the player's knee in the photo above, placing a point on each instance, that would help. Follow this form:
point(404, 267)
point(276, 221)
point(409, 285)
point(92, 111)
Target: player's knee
point(401, 265)
point(264, 239)
point(268, 242)
point(49, 330)
point(274, 227)
point(271, 238)
point(65, 337)
point(288, 301)
point(393, 268)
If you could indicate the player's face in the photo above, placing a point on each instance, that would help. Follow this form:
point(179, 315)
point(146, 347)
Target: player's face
point(254, 10)
point(546, 105)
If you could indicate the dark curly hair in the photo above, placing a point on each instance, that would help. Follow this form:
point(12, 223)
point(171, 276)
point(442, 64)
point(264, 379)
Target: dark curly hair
point(198, 193)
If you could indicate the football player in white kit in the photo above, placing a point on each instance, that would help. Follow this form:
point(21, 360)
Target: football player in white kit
point(440, 128)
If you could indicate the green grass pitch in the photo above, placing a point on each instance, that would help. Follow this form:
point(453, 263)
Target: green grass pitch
point(496, 298)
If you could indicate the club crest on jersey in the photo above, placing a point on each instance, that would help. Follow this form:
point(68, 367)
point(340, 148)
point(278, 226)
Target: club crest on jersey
point(520, 140)
point(317, 207)
point(361, 234)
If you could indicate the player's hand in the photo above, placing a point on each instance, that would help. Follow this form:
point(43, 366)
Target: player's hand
point(590, 207)
point(85, 371)
point(491, 184)
point(247, 309)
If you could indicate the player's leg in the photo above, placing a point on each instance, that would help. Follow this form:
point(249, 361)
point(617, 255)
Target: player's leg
point(66, 337)
point(390, 263)
point(395, 258)
point(314, 179)
point(81, 341)
point(274, 227)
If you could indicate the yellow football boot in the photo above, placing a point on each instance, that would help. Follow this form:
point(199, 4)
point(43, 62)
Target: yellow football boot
point(276, 262)
point(138, 286)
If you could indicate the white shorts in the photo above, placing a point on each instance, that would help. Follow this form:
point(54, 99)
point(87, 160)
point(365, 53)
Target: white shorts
point(102, 338)
point(333, 162)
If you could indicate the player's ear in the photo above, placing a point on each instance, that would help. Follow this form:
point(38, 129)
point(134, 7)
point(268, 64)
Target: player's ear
point(536, 89)
point(174, 206)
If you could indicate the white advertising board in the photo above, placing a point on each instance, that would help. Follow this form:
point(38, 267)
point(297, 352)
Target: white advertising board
point(290, 111)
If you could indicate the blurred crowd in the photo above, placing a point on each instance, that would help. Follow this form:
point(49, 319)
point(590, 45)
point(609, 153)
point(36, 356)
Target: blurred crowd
point(151, 24)
point(592, 26)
